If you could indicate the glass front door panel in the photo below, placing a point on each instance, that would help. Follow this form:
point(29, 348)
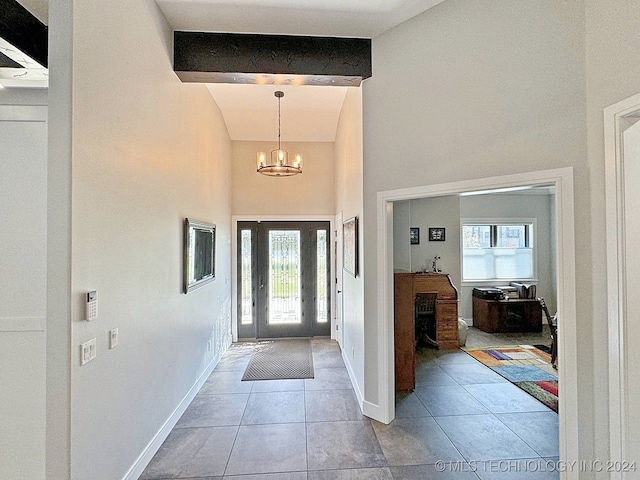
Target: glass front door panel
point(246, 299)
point(284, 277)
point(322, 279)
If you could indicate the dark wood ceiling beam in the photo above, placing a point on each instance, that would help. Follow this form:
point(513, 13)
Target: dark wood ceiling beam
point(280, 59)
point(24, 31)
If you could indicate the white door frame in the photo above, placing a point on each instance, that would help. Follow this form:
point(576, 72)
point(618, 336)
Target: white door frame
point(617, 118)
point(562, 179)
point(338, 284)
point(234, 256)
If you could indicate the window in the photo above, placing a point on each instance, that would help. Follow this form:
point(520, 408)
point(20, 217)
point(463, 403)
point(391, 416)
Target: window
point(246, 306)
point(497, 251)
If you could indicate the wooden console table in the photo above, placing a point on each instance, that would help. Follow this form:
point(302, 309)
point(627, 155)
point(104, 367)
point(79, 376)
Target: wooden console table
point(406, 286)
point(503, 316)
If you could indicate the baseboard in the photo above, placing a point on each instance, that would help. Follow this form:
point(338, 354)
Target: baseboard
point(352, 377)
point(374, 411)
point(154, 445)
point(369, 409)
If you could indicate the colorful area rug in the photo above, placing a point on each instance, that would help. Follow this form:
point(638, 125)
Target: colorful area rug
point(525, 366)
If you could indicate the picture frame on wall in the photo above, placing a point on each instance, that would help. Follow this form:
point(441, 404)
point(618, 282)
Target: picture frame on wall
point(414, 236)
point(436, 234)
point(350, 246)
point(199, 254)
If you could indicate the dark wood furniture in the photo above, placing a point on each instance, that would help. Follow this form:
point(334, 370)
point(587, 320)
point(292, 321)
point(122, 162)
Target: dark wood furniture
point(553, 328)
point(503, 316)
point(406, 287)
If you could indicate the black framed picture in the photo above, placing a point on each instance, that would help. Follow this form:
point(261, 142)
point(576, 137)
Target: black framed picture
point(436, 234)
point(414, 235)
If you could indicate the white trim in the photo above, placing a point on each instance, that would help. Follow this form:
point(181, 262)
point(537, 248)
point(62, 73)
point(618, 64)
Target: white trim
point(562, 179)
point(616, 278)
point(234, 253)
point(22, 324)
point(23, 113)
point(371, 409)
point(154, 445)
point(352, 377)
point(337, 327)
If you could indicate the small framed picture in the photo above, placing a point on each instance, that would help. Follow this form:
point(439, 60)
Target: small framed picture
point(414, 236)
point(436, 234)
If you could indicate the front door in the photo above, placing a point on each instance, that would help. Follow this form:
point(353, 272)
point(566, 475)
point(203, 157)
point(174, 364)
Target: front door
point(283, 279)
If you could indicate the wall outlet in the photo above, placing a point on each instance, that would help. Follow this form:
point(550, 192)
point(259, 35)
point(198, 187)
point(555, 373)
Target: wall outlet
point(87, 351)
point(113, 338)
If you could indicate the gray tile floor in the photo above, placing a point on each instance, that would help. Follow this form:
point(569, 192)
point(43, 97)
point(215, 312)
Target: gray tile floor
point(462, 421)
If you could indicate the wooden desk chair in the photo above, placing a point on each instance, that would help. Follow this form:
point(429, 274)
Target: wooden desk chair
point(553, 326)
point(425, 319)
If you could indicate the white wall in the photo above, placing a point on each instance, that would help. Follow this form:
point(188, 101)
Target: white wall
point(437, 212)
point(514, 206)
point(311, 193)
point(23, 220)
point(612, 74)
point(147, 151)
point(348, 188)
point(472, 89)
point(401, 225)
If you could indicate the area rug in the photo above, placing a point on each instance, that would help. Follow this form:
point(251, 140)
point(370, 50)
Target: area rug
point(280, 359)
point(525, 366)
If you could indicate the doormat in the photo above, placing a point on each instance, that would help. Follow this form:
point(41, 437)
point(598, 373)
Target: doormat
point(526, 367)
point(280, 359)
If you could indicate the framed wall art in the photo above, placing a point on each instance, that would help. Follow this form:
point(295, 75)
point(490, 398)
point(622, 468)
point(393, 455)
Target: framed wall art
point(350, 246)
point(414, 236)
point(436, 234)
point(199, 253)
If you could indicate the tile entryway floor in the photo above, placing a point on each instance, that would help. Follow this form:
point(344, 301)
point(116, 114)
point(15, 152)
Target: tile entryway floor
point(462, 419)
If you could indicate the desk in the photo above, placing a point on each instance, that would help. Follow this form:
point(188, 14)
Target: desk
point(503, 316)
point(406, 286)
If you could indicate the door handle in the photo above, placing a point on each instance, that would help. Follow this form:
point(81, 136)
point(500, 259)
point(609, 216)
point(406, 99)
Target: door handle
point(339, 291)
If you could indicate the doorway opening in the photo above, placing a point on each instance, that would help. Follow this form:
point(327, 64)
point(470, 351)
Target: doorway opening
point(622, 166)
point(562, 180)
point(283, 279)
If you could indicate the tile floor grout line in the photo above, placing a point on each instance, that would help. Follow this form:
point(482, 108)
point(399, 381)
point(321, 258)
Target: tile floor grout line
point(516, 433)
point(306, 432)
point(233, 444)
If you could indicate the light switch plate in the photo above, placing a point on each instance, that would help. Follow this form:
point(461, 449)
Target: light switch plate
point(87, 351)
point(113, 338)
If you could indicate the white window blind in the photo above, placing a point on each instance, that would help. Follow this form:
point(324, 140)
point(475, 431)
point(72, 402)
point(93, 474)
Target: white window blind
point(497, 251)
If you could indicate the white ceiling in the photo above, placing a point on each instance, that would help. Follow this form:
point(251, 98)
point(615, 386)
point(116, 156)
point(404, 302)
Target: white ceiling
point(308, 113)
point(250, 111)
point(336, 18)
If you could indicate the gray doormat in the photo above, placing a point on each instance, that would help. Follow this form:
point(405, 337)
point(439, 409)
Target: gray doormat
point(280, 359)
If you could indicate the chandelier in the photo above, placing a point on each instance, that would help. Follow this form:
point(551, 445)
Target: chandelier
point(279, 165)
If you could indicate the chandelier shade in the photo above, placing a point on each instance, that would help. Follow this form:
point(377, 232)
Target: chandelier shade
point(277, 165)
